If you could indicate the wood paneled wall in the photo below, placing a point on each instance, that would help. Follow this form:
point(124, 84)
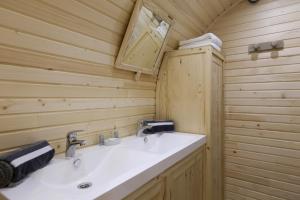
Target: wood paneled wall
point(57, 74)
point(262, 101)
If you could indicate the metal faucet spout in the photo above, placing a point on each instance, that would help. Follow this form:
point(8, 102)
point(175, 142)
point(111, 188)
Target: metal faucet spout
point(72, 142)
point(79, 142)
point(141, 128)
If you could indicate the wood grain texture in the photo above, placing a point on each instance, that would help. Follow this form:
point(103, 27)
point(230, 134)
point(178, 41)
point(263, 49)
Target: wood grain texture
point(262, 102)
point(183, 180)
point(190, 92)
point(57, 60)
point(57, 71)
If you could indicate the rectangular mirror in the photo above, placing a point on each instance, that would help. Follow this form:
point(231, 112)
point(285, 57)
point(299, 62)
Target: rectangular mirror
point(145, 39)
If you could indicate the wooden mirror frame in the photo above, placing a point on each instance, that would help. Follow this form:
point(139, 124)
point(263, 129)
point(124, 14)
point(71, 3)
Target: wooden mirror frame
point(133, 20)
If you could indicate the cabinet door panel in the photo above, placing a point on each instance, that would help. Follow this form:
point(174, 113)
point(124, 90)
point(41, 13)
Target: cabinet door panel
point(185, 180)
point(153, 190)
point(178, 189)
point(185, 93)
point(196, 180)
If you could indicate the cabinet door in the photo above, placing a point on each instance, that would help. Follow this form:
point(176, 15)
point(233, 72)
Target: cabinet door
point(185, 93)
point(153, 190)
point(185, 181)
point(178, 184)
point(195, 179)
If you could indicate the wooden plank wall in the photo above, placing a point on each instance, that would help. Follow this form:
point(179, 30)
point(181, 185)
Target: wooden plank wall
point(57, 74)
point(262, 102)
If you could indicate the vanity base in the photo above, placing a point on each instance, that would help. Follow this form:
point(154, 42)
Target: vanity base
point(184, 180)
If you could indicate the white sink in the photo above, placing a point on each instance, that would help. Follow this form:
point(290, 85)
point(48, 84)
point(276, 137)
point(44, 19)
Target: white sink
point(162, 143)
point(113, 171)
point(63, 172)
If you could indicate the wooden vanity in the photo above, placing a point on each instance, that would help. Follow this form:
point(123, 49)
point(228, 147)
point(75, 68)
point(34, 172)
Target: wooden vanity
point(182, 181)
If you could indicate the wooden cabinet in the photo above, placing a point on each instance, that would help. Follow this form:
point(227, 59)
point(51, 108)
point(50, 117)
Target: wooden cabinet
point(183, 181)
point(153, 190)
point(190, 92)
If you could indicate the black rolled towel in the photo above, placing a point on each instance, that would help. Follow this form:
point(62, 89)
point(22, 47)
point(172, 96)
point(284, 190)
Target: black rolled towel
point(6, 174)
point(158, 126)
point(16, 165)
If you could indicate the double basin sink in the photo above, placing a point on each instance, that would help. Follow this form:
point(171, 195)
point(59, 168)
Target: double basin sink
point(106, 172)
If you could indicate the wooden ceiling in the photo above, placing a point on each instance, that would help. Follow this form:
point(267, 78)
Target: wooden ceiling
point(193, 17)
point(200, 13)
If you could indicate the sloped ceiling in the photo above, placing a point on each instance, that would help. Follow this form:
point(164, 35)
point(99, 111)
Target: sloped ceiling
point(193, 17)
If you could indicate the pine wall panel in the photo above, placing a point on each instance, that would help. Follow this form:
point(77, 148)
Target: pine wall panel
point(262, 101)
point(57, 73)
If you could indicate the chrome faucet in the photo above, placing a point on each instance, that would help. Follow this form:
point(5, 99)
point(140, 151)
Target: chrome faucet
point(72, 142)
point(141, 128)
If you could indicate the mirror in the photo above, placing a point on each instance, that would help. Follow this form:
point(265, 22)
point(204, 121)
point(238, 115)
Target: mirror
point(145, 39)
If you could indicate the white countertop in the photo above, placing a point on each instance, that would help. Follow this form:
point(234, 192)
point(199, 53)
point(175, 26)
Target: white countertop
point(114, 171)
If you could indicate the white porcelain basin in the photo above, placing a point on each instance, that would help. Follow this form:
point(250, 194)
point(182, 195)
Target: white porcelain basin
point(113, 171)
point(161, 143)
point(62, 172)
point(86, 165)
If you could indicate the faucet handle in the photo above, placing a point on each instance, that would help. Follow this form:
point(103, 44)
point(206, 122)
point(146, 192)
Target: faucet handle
point(141, 123)
point(72, 135)
point(101, 139)
point(115, 133)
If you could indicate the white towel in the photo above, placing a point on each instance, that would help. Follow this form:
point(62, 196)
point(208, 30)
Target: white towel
point(206, 37)
point(200, 44)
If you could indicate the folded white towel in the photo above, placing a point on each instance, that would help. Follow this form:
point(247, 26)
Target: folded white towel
point(206, 37)
point(200, 44)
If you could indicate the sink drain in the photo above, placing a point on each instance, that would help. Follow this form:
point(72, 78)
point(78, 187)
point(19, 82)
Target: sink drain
point(84, 185)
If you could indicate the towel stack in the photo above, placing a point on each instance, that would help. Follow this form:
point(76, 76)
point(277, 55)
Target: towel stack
point(204, 40)
point(18, 164)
